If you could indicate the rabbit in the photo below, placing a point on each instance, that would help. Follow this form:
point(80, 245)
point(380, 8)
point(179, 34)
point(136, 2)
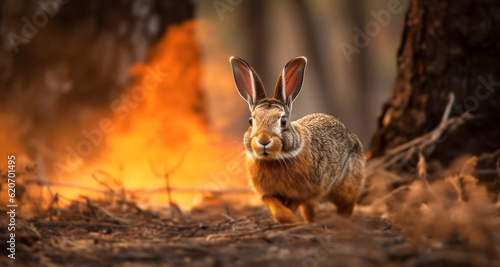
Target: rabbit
point(292, 164)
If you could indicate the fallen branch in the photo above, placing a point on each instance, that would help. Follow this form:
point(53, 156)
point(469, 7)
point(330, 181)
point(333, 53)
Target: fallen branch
point(493, 156)
point(145, 190)
point(228, 190)
point(396, 191)
point(418, 144)
point(251, 232)
point(41, 182)
point(71, 224)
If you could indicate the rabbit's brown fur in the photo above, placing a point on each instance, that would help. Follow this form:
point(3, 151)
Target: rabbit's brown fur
point(293, 164)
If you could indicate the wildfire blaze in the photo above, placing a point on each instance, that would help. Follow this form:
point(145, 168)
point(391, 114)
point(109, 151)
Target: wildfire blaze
point(166, 131)
point(158, 127)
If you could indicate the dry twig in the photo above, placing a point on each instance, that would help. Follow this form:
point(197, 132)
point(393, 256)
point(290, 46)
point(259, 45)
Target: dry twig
point(111, 191)
point(93, 208)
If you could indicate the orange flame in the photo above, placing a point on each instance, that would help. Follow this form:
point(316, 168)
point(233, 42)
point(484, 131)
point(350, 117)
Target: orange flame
point(160, 126)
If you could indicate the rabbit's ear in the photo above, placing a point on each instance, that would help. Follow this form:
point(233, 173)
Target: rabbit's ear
point(247, 82)
point(290, 81)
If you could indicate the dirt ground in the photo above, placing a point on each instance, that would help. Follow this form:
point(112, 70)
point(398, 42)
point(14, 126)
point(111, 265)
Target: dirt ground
point(97, 233)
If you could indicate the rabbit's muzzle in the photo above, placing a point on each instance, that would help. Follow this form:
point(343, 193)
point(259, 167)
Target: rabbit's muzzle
point(266, 146)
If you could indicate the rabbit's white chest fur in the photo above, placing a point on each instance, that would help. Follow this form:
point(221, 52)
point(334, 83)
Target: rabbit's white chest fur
point(291, 179)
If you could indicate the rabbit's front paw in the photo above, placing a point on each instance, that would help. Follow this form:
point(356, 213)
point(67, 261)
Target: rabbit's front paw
point(309, 210)
point(281, 213)
point(285, 217)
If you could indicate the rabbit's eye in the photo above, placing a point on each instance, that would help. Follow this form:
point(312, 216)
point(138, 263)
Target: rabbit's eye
point(250, 121)
point(283, 121)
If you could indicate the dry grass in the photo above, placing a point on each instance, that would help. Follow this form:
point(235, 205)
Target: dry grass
point(451, 221)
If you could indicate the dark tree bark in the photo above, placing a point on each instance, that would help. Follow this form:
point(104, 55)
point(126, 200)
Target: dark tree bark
point(448, 46)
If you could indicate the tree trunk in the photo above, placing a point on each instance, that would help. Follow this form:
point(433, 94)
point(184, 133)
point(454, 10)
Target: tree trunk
point(448, 47)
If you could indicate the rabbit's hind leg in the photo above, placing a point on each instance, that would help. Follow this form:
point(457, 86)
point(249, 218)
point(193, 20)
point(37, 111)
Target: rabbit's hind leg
point(344, 193)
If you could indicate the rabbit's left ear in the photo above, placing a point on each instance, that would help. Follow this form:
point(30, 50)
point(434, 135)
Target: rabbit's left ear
point(247, 82)
point(290, 81)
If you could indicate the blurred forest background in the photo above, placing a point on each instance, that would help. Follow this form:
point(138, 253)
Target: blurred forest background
point(68, 66)
point(269, 33)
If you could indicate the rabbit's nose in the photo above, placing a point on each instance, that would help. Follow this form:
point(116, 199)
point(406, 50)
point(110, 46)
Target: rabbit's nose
point(264, 139)
point(265, 143)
